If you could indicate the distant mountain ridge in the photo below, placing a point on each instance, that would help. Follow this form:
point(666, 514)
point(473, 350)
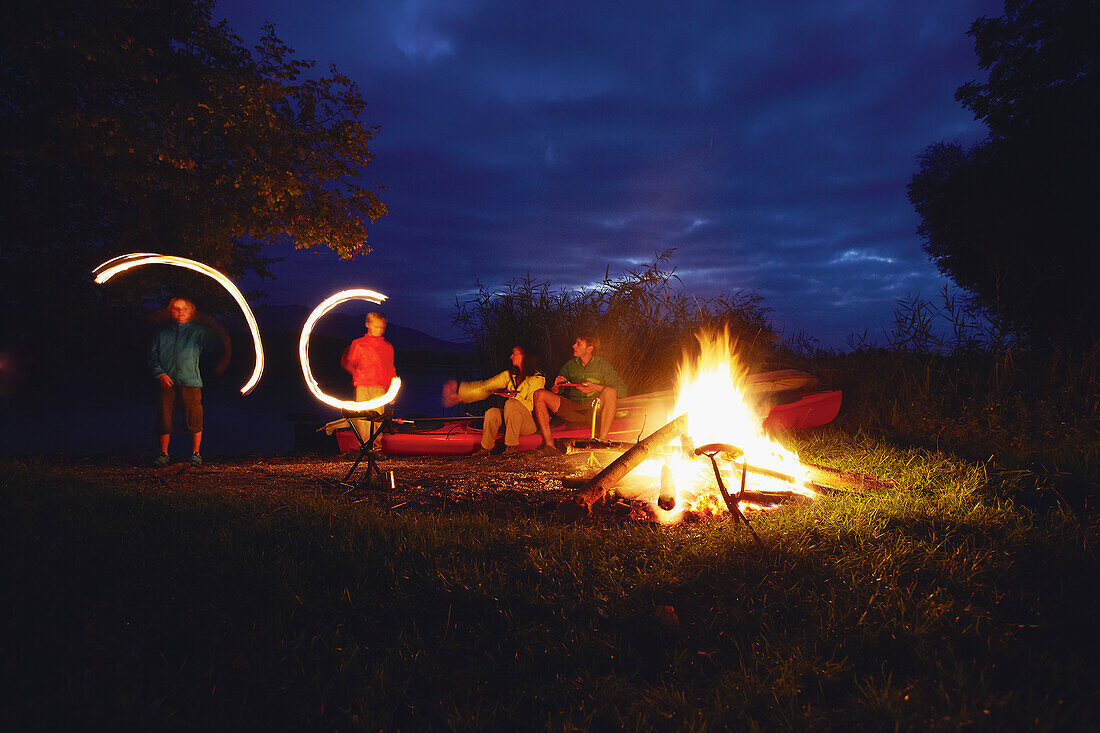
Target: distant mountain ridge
point(290, 318)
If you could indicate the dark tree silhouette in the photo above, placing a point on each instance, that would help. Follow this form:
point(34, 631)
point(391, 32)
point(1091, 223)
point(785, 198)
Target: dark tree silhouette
point(1014, 219)
point(144, 126)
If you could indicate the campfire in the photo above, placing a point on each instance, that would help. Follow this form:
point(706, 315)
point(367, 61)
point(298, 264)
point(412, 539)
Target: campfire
point(713, 455)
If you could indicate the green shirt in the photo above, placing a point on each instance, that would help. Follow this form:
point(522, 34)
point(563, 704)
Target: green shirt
point(598, 371)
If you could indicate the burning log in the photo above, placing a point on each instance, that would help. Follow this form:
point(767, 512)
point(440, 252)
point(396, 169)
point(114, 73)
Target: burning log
point(761, 471)
point(776, 498)
point(687, 445)
point(667, 498)
point(847, 479)
point(591, 490)
point(852, 482)
point(749, 495)
point(596, 488)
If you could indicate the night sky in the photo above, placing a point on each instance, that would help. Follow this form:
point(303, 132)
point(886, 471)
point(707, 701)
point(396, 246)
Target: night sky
point(769, 143)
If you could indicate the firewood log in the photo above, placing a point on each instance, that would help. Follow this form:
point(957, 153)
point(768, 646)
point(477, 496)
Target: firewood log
point(847, 479)
point(595, 490)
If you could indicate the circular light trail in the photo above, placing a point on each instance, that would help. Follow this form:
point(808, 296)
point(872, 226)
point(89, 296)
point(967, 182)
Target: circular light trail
point(112, 267)
point(303, 353)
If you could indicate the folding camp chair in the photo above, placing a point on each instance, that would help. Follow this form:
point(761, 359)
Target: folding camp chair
point(379, 420)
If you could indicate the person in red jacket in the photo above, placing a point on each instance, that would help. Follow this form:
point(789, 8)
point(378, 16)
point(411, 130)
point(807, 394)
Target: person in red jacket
point(369, 358)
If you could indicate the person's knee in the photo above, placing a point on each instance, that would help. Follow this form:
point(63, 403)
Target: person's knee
point(547, 400)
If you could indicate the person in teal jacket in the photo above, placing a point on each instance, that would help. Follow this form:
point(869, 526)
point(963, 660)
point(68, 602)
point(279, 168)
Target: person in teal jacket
point(174, 362)
point(582, 380)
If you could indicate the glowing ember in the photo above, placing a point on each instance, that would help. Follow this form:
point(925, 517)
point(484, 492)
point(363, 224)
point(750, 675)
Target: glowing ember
point(303, 353)
point(112, 267)
point(712, 393)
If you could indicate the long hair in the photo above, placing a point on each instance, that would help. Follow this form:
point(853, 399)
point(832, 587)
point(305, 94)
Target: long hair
point(529, 366)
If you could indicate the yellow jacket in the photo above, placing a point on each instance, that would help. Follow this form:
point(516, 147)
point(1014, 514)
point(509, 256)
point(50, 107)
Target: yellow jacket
point(525, 392)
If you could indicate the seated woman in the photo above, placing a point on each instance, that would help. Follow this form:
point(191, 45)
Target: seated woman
point(518, 384)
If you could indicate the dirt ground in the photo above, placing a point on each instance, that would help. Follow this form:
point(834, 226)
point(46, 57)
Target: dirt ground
point(528, 483)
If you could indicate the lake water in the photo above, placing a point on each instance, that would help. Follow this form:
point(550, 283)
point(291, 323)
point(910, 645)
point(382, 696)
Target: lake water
point(233, 424)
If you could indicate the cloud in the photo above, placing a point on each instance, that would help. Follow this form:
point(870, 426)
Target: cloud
point(769, 143)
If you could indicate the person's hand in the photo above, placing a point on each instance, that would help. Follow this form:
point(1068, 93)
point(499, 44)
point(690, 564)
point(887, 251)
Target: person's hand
point(165, 381)
point(589, 388)
point(558, 381)
point(450, 393)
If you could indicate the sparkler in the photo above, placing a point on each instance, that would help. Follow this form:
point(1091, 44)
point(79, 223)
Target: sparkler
point(303, 353)
point(112, 267)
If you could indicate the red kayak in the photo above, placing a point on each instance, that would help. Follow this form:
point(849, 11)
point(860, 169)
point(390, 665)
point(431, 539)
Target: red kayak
point(636, 417)
point(811, 411)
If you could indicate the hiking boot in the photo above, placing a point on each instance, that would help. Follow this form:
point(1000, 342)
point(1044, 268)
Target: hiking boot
point(478, 448)
point(195, 459)
point(162, 460)
point(379, 455)
point(510, 450)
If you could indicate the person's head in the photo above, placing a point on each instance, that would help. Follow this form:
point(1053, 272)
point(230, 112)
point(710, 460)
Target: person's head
point(376, 323)
point(585, 345)
point(182, 310)
point(524, 361)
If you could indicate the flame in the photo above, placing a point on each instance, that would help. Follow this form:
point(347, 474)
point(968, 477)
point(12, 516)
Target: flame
point(303, 352)
point(114, 266)
point(712, 392)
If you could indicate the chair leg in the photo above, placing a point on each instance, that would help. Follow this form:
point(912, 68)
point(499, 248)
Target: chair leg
point(372, 471)
point(359, 458)
point(366, 450)
point(352, 469)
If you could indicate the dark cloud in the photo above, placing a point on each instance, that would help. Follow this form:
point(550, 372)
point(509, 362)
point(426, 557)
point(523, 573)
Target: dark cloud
point(769, 143)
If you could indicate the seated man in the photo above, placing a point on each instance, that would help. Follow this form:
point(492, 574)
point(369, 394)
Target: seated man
point(591, 376)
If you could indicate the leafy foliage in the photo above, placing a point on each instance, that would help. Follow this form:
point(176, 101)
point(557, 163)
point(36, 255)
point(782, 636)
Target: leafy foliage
point(643, 318)
point(143, 126)
point(1013, 220)
point(1041, 59)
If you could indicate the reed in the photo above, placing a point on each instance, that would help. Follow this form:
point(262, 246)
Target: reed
point(947, 377)
point(644, 319)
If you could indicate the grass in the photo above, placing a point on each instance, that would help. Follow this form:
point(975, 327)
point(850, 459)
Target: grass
point(939, 605)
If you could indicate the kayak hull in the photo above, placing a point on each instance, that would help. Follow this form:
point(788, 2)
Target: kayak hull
point(643, 415)
point(812, 411)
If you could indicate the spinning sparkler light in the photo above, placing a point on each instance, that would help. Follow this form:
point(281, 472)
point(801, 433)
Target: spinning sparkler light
point(303, 353)
point(112, 267)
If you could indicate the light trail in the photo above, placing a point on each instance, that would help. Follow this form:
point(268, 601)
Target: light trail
point(303, 353)
point(112, 267)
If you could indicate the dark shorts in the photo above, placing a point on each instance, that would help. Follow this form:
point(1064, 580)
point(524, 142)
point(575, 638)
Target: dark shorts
point(190, 398)
point(571, 411)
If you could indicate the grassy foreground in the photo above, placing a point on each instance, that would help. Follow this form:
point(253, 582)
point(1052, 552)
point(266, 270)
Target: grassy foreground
point(940, 605)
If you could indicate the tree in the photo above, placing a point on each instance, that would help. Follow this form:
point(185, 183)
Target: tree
point(140, 125)
point(1014, 219)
